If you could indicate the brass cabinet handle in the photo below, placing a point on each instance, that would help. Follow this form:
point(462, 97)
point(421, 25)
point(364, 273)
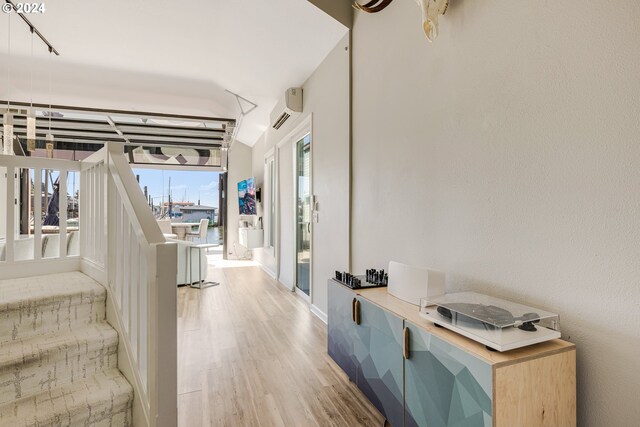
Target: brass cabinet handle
point(357, 316)
point(353, 310)
point(405, 343)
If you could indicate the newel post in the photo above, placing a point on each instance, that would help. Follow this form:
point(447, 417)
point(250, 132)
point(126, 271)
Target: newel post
point(164, 328)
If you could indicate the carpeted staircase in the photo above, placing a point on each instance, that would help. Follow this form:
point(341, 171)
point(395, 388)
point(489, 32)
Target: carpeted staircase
point(58, 356)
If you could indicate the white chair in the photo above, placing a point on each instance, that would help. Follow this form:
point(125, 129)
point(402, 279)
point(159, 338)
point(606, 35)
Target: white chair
point(165, 228)
point(51, 246)
point(23, 249)
point(202, 231)
point(73, 244)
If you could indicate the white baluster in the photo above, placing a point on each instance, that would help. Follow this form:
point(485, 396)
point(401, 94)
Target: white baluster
point(11, 212)
point(37, 213)
point(62, 212)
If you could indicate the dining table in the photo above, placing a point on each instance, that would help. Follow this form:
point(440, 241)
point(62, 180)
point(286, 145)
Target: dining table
point(180, 229)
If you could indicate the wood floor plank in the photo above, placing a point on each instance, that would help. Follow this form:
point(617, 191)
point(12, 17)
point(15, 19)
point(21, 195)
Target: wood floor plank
point(250, 353)
point(190, 409)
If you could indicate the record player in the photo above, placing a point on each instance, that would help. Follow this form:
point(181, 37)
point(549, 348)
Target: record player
point(498, 324)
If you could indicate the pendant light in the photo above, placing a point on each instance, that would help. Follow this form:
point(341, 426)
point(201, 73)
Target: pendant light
point(31, 130)
point(7, 125)
point(224, 152)
point(6, 142)
point(31, 114)
point(49, 138)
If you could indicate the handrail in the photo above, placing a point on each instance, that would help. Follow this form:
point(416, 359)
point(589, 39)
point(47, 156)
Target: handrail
point(125, 181)
point(39, 162)
point(93, 158)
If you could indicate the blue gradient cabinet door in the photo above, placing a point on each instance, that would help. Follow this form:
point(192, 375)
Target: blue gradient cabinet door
point(341, 327)
point(445, 386)
point(379, 366)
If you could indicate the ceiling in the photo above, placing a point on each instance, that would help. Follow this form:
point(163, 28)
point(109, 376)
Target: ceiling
point(168, 57)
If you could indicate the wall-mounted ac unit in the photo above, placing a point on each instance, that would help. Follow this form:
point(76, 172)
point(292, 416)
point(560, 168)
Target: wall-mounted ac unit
point(288, 105)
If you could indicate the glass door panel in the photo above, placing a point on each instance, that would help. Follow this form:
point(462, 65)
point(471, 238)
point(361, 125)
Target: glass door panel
point(303, 214)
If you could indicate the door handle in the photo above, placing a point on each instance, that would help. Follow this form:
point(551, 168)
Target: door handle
point(405, 343)
point(309, 227)
point(357, 316)
point(353, 310)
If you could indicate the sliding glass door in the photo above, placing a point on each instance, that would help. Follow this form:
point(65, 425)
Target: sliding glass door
point(303, 214)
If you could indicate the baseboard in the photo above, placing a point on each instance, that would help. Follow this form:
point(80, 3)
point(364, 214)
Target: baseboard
point(267, 270)
point(18, 269)
point(93, 270)
point(319, 313)
point(289, 288)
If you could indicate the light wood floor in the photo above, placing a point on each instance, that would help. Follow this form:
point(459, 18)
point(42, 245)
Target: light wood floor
point(251, 354)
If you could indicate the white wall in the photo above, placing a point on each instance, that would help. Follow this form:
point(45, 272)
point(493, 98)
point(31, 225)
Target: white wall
point(263, 256)
point(326, 101)
point(506, 153)
point(239, 169)
point(328, 89)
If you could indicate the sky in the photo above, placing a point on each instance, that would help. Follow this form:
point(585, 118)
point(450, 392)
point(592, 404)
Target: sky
point(185, 185)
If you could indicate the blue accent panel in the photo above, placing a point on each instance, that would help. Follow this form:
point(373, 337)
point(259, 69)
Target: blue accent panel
point(444, 385)
point(341, 328)
point(378, 350)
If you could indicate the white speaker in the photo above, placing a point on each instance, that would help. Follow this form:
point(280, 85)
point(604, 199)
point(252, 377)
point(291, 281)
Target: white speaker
point(410, 283)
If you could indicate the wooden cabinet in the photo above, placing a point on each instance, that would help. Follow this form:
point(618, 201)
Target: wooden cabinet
point(445, 385)
point(536, 392)
point(436, 378)
point(251, 238)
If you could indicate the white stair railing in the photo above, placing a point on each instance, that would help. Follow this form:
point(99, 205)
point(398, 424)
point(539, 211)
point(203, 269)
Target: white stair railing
point(124, 249)
point(120, 246)
point(23, 238)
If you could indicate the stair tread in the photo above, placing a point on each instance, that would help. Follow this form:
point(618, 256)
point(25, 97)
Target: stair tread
point(104, 398)
point(40, 346)
point(58, 355)
point(16, 293)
